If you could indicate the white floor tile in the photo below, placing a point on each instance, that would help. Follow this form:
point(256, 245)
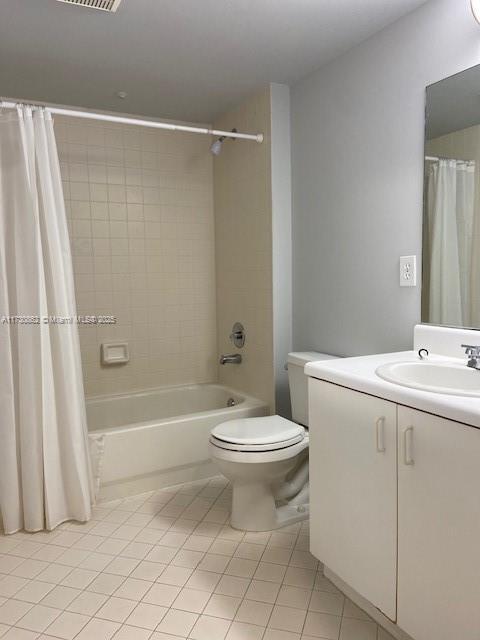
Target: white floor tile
point(276, 555)
point(38, 618)
point(223, 547)
point(198, 543)
point(222, 606)
point(209, 628)
point(244, 631)
point(116, 609)
point(263, 591)
point(350, 610)
point(294, 597)
point(10, 585)
point(176, 576)
point(191, 600)
point(232, 586)
point(98, 630)
point(148, 571)
point(249, 551)
point(303, 578)
point(214, 562)
point(188, 559)
point(241, 568)
point(131, 633)
point(270, 572)
point(34, 591)
point(14, 633)
point(179, 623)
point(166, 565)
point(87, 603)
point(60, 597)
point(276, 634)
point(79, 578)
point(105, 583)
point(162, 594)
point(147, 616)
point(121, 566)
point(54, 573)
point(67, 625)
point(133, 589)
point(29, 568)
point(12, 610)
point(327, 602)
point(203, 580)
point(254, 612)
point(287, 619)
point(322, 625)
point(352, 629)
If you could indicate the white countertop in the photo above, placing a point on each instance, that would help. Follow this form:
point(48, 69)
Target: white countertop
point(359, 374)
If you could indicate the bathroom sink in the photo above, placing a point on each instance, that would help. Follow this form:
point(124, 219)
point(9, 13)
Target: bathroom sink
point(438, 377)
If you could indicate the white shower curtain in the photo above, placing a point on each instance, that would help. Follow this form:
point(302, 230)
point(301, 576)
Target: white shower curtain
point(450, 215)
point(45, 475)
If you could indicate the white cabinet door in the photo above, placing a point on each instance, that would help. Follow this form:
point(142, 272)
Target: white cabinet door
point(353, 489)
point(439, 528)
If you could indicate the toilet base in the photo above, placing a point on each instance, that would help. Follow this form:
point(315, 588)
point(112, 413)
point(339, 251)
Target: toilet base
point(254, 508)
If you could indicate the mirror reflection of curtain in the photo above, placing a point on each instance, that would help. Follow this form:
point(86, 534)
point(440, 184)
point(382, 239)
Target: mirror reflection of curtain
point(450, 204)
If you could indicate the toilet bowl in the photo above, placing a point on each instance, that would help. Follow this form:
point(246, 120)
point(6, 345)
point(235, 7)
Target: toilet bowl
point(266, 459)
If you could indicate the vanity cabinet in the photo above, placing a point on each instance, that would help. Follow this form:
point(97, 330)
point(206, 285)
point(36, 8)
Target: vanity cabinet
point(353, 487)
point(438, 527)
point(371, 459)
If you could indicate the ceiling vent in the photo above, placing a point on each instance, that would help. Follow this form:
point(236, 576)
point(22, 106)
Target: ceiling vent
point(103, 5)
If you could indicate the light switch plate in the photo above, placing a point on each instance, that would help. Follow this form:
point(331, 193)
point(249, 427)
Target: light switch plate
point(408, 271)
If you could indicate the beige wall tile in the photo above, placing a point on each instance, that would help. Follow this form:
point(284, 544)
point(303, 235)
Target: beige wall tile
point(142, 230)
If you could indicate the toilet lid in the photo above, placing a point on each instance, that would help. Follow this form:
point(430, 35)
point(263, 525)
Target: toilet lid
point(255, 448)
point(269, 430)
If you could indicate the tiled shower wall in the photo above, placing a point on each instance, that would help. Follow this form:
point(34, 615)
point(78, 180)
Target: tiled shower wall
point(140, 208)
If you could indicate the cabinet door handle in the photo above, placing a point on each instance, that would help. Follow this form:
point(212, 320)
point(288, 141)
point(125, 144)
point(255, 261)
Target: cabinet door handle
point(380, 434)
point(408, 446)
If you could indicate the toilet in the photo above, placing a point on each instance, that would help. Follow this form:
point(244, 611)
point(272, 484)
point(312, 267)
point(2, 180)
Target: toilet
point(266, 459)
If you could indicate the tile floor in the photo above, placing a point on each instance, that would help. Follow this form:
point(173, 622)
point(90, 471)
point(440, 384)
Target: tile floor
point(167, 565)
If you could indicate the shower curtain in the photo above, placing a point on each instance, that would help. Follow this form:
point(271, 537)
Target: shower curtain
point(45, 475)
point(450, 203)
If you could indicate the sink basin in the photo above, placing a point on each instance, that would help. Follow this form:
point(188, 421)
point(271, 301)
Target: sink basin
point(437, 377)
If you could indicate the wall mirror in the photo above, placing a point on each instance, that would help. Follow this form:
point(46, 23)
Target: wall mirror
point(451, 218)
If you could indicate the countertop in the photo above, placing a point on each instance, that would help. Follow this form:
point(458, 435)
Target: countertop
point(359, 374)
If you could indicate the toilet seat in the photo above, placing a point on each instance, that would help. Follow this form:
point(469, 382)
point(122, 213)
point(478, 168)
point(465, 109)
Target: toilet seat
point(259, 456)
point(258, 434)
point(230, 446)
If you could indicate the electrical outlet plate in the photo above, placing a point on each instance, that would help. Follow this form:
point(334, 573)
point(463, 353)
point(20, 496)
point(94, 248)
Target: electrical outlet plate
point(408, 271)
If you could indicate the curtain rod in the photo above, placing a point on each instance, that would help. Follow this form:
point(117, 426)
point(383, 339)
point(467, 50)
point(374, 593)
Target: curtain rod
point(90, 115)
point(436, 159)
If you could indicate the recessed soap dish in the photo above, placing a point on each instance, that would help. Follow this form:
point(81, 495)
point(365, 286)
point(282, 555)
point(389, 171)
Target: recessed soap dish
point(114, 353)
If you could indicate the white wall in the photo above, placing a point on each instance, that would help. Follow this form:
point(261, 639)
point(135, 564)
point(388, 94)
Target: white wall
point(357, 138)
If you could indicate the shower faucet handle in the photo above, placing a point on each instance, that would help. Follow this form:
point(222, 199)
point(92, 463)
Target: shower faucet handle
point(238, 335)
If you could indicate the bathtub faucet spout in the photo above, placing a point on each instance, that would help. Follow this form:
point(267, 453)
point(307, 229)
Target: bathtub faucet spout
point(233, 358)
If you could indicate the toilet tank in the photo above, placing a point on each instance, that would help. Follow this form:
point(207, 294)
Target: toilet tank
point(298, 382)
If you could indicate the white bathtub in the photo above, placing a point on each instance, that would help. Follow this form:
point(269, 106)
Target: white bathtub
point(159, 437)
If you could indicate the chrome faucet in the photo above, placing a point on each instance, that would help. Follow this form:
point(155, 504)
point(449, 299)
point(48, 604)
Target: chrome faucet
point(233, 358)
point(473, 354)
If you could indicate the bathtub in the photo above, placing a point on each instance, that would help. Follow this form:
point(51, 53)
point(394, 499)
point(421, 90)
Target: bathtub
point(151, 439)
